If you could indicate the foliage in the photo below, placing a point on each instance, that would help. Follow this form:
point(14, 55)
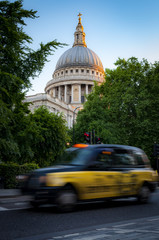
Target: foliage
point(132, 92)
point(19, 63)
point(125, 108)
point(50, 136)
point(95, 116)
point(9, 172)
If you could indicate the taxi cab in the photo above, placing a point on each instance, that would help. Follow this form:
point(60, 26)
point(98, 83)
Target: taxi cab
point(92, 172)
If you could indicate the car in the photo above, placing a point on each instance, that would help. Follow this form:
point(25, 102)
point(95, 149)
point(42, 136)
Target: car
point(92, 172)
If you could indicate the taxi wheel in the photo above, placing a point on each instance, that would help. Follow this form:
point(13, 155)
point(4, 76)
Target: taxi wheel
point(34, 204)
point(66, 199)
point(144, 194)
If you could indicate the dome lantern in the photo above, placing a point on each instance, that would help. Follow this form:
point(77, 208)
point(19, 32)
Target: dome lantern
point(79, 56)
point(79, 35)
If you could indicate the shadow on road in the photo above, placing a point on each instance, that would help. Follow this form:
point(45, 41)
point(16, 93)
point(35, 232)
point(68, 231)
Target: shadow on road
point(89, 206)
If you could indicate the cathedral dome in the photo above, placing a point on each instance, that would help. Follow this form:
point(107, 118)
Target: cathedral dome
point(76, 71)
point(79, 56)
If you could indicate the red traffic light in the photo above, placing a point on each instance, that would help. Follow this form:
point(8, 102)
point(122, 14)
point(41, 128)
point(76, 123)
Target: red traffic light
point(86, 134)
point(98, 140)
point(87, 137)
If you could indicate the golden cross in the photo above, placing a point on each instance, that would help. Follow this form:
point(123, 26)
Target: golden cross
point(79, 15)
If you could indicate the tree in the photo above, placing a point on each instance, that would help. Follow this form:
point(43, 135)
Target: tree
point(125, 108)
point(132, 92)
point(49, 134)
point(95, 116)
point(19, 63)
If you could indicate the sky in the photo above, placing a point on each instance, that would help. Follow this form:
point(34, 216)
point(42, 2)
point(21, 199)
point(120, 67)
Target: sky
point(113, 28)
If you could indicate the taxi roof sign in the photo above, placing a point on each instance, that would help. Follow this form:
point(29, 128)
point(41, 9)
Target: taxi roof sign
point(80, 145)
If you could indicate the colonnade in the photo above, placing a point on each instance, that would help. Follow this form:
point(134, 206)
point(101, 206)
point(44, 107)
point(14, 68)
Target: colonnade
point(71, 93)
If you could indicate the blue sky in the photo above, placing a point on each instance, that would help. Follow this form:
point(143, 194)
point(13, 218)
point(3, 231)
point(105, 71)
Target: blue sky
point(114, 28)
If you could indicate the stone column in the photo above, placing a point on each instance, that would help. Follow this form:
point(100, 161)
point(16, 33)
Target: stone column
point(59, 93)
point(80, 93)
point(65, 94)
point(86, 89)
point(54, 93)
point(71, 93)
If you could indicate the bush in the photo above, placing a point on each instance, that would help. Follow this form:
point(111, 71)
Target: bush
point(9, 171)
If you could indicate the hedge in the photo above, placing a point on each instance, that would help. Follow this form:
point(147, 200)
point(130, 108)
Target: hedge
point(9, 172)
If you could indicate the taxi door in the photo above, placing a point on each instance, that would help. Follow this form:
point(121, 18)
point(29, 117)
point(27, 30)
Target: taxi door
point(104, 182)
point(127, 182)
point(124, 164)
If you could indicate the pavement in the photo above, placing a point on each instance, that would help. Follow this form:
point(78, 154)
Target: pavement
point(4, 193)
point(142, 229)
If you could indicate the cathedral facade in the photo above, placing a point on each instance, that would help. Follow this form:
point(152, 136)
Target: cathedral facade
point(73, 79)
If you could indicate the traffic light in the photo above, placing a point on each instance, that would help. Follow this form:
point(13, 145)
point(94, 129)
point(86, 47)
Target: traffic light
point(156, 150)
point(87, 136)
point(91, 138)
point(98, 140)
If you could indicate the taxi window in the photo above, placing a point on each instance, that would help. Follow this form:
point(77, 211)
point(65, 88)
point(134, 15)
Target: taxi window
point(76, 156)
point(123, 158)
point(139, 159)
point(142, 159)
point(81, 157)
point(104, 158)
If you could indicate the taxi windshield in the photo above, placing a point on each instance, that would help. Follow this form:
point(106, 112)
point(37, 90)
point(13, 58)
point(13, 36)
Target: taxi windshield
point(77, 156)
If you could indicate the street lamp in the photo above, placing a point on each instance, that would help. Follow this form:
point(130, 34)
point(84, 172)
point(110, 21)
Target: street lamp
point(73, 124)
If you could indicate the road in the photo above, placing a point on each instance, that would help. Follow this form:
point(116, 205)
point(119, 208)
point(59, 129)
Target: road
point(89, 221)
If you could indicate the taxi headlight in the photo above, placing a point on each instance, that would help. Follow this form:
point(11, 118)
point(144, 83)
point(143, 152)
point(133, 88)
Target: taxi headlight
point(22, 178)
point(53, 180)
point(58, 181)
point(42, 179)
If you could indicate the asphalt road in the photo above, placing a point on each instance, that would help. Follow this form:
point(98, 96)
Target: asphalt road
point(18, 221)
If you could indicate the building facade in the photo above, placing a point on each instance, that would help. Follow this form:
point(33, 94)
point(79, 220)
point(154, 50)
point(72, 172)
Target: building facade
point(73, 79)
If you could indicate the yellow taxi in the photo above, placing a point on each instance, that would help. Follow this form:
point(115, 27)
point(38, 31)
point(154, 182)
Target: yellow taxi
point(93, 172)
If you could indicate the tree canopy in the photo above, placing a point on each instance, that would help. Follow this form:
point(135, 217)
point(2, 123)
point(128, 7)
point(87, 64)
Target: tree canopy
point(125, 108)
point(19, 63)
point(48, 134)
